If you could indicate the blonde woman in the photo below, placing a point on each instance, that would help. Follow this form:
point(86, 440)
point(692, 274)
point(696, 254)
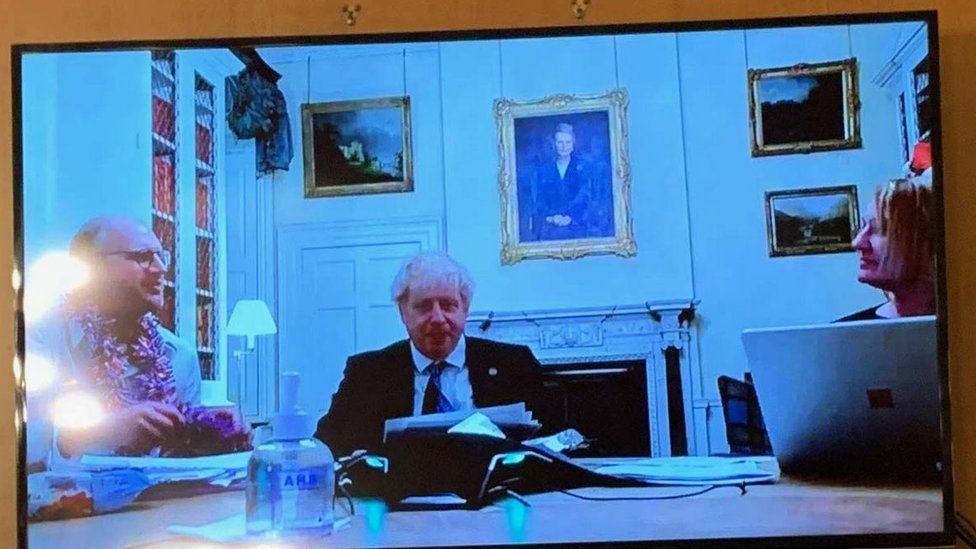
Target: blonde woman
point(896, 250)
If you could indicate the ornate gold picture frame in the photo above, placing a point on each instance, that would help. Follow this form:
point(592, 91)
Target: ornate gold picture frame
point(804, 108)
point(564, 177)
point(811, 221)
point(357, 147)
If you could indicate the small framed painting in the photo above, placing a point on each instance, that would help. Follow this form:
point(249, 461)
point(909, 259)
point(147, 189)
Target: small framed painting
point(804, 108)
point(357, 147)
point(811, 221)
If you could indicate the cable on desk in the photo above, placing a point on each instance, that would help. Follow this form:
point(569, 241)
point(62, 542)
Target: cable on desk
point(341, 487)
point(965, 530)
point(342, 479)
point(741, 487)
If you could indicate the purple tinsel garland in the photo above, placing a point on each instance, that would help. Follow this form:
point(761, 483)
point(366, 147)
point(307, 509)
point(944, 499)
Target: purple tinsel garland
point(204, 432)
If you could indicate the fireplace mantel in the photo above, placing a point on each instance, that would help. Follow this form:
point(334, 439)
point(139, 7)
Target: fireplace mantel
point(614, 333)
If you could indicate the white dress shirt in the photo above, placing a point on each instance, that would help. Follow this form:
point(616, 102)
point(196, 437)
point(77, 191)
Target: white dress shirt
point(455, 383)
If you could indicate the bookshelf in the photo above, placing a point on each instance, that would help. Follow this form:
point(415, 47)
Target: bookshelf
point(165, 193)
point(206, 227)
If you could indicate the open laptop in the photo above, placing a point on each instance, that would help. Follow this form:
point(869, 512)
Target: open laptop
point(852, 397)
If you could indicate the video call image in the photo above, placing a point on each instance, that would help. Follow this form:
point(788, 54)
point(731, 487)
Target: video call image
point(661, 286)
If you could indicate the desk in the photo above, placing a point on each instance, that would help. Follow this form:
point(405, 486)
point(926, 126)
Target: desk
point(789, 508)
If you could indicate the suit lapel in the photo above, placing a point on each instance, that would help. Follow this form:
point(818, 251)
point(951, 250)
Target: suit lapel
point(483, 385)
point(402, 380)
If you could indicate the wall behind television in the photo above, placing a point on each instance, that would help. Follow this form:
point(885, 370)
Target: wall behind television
point(43, 20)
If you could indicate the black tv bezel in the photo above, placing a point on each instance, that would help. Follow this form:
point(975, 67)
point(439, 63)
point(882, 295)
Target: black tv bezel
point(929, 17)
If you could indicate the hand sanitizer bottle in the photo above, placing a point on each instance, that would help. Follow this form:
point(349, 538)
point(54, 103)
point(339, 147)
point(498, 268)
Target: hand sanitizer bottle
point(291, 479)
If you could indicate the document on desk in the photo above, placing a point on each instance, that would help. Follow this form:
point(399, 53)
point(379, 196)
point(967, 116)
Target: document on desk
point(221, 461)
point(691, 470)
point(219, 470)
point(506, 417)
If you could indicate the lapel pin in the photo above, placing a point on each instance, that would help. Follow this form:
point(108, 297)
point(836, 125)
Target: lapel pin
point(493, 371)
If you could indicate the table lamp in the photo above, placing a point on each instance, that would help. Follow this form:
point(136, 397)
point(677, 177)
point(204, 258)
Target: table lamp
point(250, 318)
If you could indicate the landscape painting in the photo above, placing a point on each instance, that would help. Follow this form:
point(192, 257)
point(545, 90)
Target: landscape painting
point(357, 147)
point(804, 108)
point(811, 221)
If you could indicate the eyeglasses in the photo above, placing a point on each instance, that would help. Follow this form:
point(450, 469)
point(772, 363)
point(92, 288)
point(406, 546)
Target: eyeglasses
point(144, 258)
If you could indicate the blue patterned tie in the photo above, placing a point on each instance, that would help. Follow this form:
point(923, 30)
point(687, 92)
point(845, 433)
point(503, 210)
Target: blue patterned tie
point(434, 399)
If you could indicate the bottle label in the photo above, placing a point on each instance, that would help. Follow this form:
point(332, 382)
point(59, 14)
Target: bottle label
point(300, 480)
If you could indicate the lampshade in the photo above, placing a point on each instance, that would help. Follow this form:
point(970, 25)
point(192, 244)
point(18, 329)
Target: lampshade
point(251, 317)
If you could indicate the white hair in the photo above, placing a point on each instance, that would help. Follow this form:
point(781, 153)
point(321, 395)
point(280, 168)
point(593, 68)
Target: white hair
point(430, 268)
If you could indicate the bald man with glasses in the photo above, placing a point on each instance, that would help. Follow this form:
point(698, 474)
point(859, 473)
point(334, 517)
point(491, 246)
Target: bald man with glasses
point(105, 340)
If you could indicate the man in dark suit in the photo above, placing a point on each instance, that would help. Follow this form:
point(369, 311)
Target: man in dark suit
point(437, 369)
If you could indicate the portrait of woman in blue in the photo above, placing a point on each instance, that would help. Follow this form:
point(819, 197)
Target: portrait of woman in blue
point(566, 194)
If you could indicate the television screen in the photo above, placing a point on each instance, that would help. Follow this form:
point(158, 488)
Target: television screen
point(657, 284)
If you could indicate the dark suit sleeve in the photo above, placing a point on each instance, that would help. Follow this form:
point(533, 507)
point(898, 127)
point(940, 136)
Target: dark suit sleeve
point(349, 423)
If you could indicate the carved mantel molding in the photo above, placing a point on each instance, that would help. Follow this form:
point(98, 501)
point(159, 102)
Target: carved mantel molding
point(607, 334)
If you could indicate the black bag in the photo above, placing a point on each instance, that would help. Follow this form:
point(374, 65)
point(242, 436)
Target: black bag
point(476, 468)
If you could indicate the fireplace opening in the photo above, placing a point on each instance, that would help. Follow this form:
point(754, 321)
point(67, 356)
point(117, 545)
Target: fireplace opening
point(676, 403)
point(605, 401)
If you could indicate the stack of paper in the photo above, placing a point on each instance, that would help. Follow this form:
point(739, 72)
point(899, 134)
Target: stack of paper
point(219, 470)
point(512, 419)
point(691, 470)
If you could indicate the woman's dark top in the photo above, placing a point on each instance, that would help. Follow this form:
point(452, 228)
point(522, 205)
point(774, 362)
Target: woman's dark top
point(867, 314)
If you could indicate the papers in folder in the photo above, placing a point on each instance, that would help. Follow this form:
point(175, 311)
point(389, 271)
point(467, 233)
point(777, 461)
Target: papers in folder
point(692, 470)
point(219, 470)
point(512, 419)
point(221, 461)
